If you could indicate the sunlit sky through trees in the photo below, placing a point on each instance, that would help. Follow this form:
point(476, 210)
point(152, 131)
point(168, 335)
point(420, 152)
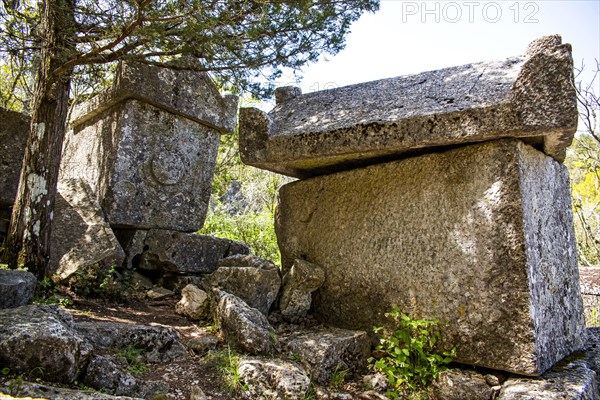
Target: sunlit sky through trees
point(406, 37)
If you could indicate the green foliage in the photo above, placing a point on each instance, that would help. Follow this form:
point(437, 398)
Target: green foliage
point(97, 280)
point(410, 358)
point(583, 161)
point(240, 42)
point(132, 355)
point(256, 229)
point(249, 216)
point(227, 364)
point(338, 377)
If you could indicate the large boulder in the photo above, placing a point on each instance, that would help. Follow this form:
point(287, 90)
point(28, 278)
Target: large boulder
point(252, 279)
point(325, 351)
point(148, 146)
point(480, 237)
point(531, 97)
point(16, 288)
point(244, 327)
point(273, 379)
point(81, 237)
point(42, 340)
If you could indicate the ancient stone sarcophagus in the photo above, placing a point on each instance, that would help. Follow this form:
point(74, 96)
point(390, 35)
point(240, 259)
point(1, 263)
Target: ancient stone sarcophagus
point(442, 193)
point(148, 146)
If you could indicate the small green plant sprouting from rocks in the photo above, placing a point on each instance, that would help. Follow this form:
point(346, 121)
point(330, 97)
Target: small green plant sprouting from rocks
point(227, 363)
point(132, 355)
point(410, 360)
point(338, 377)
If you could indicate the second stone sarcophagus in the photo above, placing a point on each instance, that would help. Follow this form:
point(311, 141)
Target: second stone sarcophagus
point(148, 146)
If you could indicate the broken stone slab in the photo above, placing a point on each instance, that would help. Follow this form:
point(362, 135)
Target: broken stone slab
point(244, 327)
point(203, 344)
point(573, 380)
point(37, 391)
point(16, 288)
point(480, 237)
point(179, 252)
point(187, 93)
point(273, 379)
point(456, 384)
point(13, 139)
point(148, 147)
point(41, 340)
point(108, 374)
point(159, 293)
point(251, 278)
point(161, 344)
point(302, 279)
point(80, 236)
point(530, 97)
point(323, 351)
point(194, 303)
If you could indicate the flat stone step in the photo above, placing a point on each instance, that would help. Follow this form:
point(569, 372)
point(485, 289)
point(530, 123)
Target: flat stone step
point(531, 97)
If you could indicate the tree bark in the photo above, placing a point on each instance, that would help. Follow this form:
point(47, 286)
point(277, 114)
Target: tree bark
point(28, 241)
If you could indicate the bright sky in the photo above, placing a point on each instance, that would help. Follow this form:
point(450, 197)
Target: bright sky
point(406, 37)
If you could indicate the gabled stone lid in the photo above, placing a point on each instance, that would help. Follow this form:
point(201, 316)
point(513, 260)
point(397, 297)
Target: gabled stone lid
point(530, 96)
point(190, 94)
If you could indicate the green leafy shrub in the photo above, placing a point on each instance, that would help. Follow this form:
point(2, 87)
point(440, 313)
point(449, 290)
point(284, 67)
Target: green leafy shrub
point(256, 229)
point(227, 363)
point(410, 359)
point(132, 355)
point(97, 280)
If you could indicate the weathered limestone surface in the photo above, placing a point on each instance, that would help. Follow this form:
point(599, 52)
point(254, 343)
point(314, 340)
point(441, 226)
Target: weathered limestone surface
point(13, 138)
point(480, 237)
point(37, 339)
point(323, 351)
point(16, 288)
point(186, 253)
point(80, 236)
point(530, 97)
point(273, 379)
point(254, 280)
point(187, 93)
point(148, 147)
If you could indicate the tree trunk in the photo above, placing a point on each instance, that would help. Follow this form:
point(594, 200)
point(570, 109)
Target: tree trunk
point(28, 241)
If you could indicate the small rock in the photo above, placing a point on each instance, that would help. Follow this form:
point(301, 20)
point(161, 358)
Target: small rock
point(494, 379)
point(159, 293)
point(252, 279)
point(197, 394)
point(244, 326)
point(194, 303)
point(376, 381)
point(273, 379)
point(456, 384)
point(104, 373)
point(324, 350)
point(140, 281)
point(203, 344)
point(16, 288)
point(298, 284)
point(371, 395)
